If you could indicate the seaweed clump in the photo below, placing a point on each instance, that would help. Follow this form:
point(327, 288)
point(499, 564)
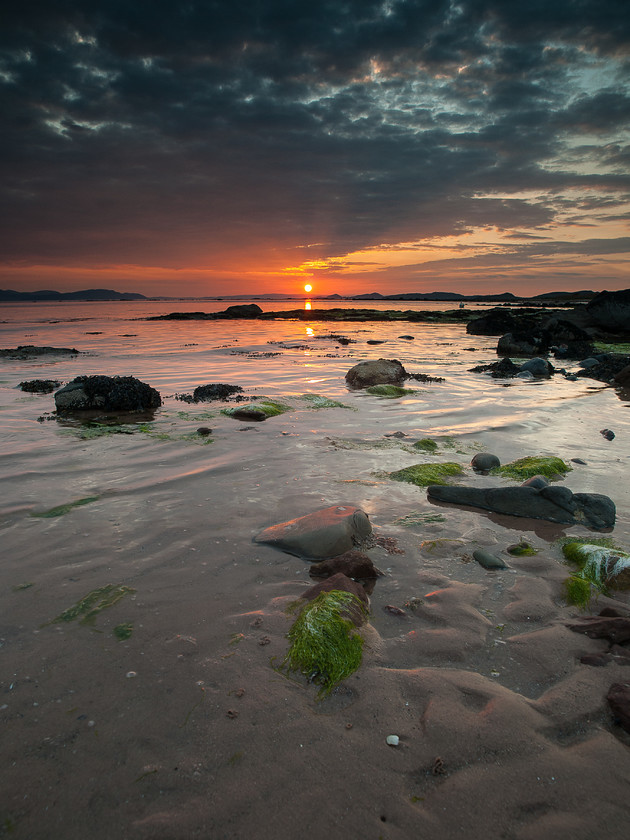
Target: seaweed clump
point(426, 445)
point(88, 608)
point(546, 465)
point(423, 475)
point(389, 391)
point(325, 645)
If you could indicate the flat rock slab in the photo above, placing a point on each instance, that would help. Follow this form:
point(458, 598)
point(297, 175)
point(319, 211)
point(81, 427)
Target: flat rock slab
point(319, 535)
point(553, 503)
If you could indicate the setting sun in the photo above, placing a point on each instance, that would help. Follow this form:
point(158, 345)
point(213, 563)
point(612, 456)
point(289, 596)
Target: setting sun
point(308, 288)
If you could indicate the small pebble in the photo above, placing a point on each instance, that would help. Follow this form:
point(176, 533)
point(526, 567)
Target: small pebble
point(393, 740)
point(608, 434)
point(204, 431)
point(132, 674)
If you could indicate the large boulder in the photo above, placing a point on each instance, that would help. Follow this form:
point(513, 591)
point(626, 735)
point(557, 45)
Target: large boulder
point(611, 311)
point(552, 503)
point(623, 377)
point(241, 310)
point(521, 344)
point(322, 534)
point(107, 393)
point(376, 372)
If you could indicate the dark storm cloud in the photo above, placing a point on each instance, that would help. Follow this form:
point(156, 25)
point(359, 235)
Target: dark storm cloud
point(163, 133)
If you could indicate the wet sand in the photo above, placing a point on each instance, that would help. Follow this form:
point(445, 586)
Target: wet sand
point(189, 728)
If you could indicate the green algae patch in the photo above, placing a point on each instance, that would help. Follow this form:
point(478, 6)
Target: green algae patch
point(123, 631)
point(269, 408)
point(20, 587)
point(422, 475)
point(61, 510)
point(548, 466)
point(318, 401)
point(418, 518)
point(599, 566)
point(426, 445)
point(89, 607)
point(522, 549)
point(389, 391)
point(325, 645)
point(578, 591)
point(623, 348)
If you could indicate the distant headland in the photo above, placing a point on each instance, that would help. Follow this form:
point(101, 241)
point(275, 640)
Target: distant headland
point(9, 295)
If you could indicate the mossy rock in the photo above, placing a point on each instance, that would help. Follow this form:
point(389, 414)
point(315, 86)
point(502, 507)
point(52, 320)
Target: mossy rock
point(388, 391)
point(604, 566)
point(547, 465)
point(422, 475)
point(426, 445)
point(260, 410)
point(522, 549)
point(325, 645)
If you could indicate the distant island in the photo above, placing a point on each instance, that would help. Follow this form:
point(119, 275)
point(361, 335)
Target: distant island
point(9, 295)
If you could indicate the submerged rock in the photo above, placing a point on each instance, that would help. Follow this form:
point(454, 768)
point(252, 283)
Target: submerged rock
point(40, 386)
point(353, 564)
point(107, 393)
point(376, 372)
point(257, 411)
point(424, 474)
point(567, 508)
point(322, 534)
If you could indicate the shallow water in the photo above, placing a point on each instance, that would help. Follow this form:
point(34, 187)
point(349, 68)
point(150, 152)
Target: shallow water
point(172, 516)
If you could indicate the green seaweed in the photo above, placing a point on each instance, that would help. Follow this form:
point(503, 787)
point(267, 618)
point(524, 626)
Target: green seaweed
point(388, 391)
point(419, 518)
point(202, 415)
point(325, 645)
point(269, 408)
point(123, 631)
point(426, 445)
point(546, 465)
point(318, 401)
point(422, 475)
point(20, 587)
point(61, 510)
point(621, 347)
point(578, 591)
point(522, 549)
point(88, 608)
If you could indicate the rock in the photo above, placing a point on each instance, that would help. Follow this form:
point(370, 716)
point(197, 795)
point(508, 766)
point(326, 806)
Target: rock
point(590, 509)
point(40, 386)
point(608, 434)
point(611, 311)
point(504, 368)
point(619, 701)
point(614, 628)
point(241, 310)
point(392, 740)
point(589, 362)
point(353, 564)
point(322, 534)
point(30, 351)
point(340, 583)
point(204, 431)
point(488, 560)
point(538, 367)
point(389, 391)
point(407, 337)
point(376, 372)
point(537, 481)
point(107, 393)
point(258, 411)
point(600, 564)
point(623, 377)
point(520, 344)
point(484, 462)
point(215, 391)
point(495, 322)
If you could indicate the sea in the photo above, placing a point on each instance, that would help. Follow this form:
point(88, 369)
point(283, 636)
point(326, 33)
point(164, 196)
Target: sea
point(164, 519)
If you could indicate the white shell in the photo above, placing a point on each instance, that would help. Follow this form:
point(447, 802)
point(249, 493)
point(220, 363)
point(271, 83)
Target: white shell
point(393, 740)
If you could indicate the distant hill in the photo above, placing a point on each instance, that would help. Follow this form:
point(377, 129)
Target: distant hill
point(85, 294)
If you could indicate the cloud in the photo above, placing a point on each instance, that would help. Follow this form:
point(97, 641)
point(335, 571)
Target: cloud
point(221, 134)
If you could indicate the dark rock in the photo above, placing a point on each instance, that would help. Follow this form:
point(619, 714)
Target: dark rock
point(215, 391)
point(623, 377)
point(608, 434)
point(619, 701)
point(322, 534)
point(407, 337)
point(30, 351)
point(504, 368)
point(375, 341)
point(564, 507)
point(376, 372)
point(495, 322)
point(488, 560)
point(397, 611)
point(484, 462)
point(521, 344)
point(615, 629)
point(611, 311)
point(40, 386)
point(538, 367)
point(204, 431)
point(537, 481)
point(249, 412)
point(353, 564)
point(107, 393)
point(242, 310)
point(608, 366)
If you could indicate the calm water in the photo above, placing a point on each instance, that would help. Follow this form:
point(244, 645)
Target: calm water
point(99, 732)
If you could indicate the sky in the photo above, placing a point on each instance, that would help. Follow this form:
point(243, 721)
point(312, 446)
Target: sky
point(207, 147)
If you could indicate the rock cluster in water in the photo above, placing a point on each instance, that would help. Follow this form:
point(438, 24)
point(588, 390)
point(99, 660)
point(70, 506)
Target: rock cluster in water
point(107, 393)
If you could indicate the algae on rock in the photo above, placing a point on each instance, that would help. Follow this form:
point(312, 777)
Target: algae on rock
point(423, 475)
point(325, 644)
point(389, 391)
point(546, 465)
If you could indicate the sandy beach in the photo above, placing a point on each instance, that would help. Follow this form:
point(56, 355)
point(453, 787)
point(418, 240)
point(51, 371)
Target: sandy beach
point(189, 727)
